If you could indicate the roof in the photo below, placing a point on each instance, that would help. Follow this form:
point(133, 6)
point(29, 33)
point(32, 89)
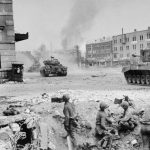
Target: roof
point(131, 32)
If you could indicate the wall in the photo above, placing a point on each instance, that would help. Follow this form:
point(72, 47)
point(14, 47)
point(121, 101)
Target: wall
point(99, 52)
point(7, 35)
point(130, 43)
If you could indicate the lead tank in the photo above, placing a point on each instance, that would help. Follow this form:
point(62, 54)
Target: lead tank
point(53, 67)
point(139, 73)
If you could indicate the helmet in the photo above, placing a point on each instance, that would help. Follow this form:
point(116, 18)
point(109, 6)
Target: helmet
point(66, 97)
point(103, 105)
point(124, 105)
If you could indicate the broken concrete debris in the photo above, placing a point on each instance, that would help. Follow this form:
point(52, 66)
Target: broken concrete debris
point(21, 126)
point(10, 111)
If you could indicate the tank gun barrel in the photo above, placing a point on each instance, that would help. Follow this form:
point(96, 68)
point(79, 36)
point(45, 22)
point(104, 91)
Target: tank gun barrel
point(133, 55)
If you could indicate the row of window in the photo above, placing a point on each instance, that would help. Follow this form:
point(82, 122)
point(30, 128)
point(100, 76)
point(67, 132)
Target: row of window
point(127, 47)
point(134, 47)
point(99, 56)
point(98, 51)
point(101, 46)
point(121, 55)
point(134, 38)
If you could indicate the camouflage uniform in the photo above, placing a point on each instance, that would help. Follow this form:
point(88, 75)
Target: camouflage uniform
point(69, 123)
point(145, 129)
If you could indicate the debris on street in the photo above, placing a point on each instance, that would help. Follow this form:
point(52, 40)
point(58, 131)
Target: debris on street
point(42, 114)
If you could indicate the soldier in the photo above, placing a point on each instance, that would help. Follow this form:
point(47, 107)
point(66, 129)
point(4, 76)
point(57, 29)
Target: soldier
point(145, 129)
point(102, 121)
point(69, 123)
point(104, 133)
point(125, 107)
point(127, 120)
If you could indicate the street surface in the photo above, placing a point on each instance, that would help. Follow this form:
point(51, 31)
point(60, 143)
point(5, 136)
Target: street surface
point(97, 79)
point(87, 87)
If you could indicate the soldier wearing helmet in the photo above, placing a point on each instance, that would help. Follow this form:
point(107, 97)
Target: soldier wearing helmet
point(128, 120)
point(125, 107)
point(102, 121)
point(145, 129)
point(69, 123)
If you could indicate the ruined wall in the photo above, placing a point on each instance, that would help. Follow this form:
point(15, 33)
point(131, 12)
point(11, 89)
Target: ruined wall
point(7, 35)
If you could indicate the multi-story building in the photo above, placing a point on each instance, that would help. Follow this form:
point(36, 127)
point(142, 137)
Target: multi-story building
point(125, 45)
point(7, 38)
point(99, 52)
point(7, 35)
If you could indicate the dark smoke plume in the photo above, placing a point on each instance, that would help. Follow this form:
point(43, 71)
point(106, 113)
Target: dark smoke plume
point(81, 18)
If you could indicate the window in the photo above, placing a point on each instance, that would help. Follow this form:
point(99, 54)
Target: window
point(127, 47)
point(115, 48)
point(115, 55)
point(121, 55)
point(120, 40)
point(115, 41)
point(94, 51)
point(148, 35)
point(121, 48)
point(141, 37)
point(141, 46)
point(128, 55)
point(0, 60)
point(134, 46)
point(148, 44)
point(134, 38)
point(127, 39)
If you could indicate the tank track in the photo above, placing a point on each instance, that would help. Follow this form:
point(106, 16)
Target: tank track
point(135, 79)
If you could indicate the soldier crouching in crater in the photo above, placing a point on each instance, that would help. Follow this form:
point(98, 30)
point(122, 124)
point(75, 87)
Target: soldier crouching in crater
point(103, 124)
point(127, 121)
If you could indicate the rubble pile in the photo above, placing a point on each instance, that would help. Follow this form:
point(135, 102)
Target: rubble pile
point(40, 120)
point(18, 131)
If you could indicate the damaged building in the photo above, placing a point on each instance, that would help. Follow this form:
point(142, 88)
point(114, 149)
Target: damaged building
point(8, 38)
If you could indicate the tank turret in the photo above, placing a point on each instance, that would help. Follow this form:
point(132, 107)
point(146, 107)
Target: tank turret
point(139, 73)
point(53, 67)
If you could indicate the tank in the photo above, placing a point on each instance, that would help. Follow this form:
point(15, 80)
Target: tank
point(139, 73)
point(53, 67)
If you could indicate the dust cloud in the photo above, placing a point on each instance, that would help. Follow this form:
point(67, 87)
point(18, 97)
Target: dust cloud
point(25, 58)
point(81, 19)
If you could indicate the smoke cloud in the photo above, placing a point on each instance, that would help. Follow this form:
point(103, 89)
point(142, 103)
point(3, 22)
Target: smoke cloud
point(81, 18)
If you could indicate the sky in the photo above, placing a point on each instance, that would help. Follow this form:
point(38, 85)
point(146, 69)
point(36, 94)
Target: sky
point(61, 24)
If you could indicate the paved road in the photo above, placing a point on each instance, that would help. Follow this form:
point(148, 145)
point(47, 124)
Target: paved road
point(104, 79)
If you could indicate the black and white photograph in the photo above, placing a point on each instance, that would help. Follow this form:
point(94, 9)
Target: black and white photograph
point(74, 74)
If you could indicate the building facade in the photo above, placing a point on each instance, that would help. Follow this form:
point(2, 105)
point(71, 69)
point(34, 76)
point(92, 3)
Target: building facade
point(125, 45)
point(7, 35)
point(99, 53)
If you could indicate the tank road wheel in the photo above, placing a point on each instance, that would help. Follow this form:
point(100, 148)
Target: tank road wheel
point(129, 80)
point(143, 79)
point(64, 73)
point(42, 72)
point(148, 79)
point(138, 80)
point(134, 79)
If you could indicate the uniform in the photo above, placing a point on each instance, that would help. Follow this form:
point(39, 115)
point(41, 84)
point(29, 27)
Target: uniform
point(102, 121)
point(127, 121)
point(69, 123)
point(145, 129)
